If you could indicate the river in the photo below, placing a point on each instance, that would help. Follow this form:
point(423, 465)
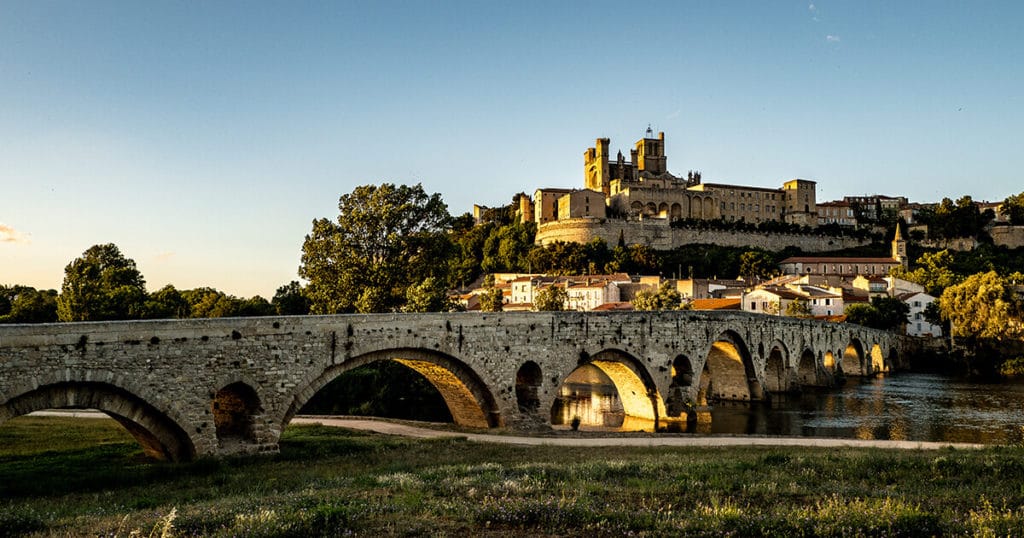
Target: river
point(905, 406)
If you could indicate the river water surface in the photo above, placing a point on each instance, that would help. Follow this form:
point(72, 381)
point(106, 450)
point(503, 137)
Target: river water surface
point(905, 406)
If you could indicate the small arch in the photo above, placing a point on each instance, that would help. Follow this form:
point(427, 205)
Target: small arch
point(650, 209)
point(236, 409)
point(776, 378)
point(709, 208)
point(160, 436)
point(636, 207)
point(663, 210)
point(696, 209)
point(467, 396)
point(807, 369)
point(677, 211)
point(853, 359)
point(682, 371)
point(893, 360)
point(528, 381)
point(877, 360)
point(829, 362)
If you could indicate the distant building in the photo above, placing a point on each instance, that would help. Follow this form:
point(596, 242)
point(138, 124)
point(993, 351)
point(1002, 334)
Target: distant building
point(917, 325)
point(848, 266)
point(840, 213)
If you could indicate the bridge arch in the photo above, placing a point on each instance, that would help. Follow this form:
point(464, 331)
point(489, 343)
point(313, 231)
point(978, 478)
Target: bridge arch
point(237, 410)
point(637, 392)
point(776, 371)
point(529, 379)
point(728, 372)
point(829, 362)
point(853, 358)
point(161, 435)
point(468, 397)
point(807, 369)
point(877, 360)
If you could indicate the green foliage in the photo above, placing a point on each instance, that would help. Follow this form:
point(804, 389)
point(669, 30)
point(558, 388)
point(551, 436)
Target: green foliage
point(212, 303)
point(798, 308)
point(24, 304)
point(550, 299)
point(961, 219)
point(428, 296)
point(330, 481)
point(386, 237)
point(491, 300)
point(886, 313)
point(290, 300)
point(101, 285)
point(1013, 208)
point(666, 298)
point(757, 264)
point(934, 271)
point(167, 303)
point(981, 307)
point(507, 248)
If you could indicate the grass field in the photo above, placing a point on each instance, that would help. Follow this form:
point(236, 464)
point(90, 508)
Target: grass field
point(87, 477)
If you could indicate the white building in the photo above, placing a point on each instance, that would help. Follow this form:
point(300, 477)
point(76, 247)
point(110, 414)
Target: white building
point(916, 324)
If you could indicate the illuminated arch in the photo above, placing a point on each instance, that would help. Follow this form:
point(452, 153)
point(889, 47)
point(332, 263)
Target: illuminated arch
point(637, 393)
point(161, 436)
point(829, 362)
point(853, 359)
point(728, 372)
point(468, 398)
point(877, 360)
point(663, 209)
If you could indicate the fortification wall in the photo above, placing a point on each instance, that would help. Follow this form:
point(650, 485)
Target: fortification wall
point(1008, 236)
point(657, 234)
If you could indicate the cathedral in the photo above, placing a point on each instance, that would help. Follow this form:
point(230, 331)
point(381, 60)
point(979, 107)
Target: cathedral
point(643, 188)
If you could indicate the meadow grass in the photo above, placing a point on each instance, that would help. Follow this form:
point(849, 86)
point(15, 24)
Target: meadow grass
point(87, 477)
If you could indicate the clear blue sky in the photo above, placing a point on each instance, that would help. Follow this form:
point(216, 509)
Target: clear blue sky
point(204, 137)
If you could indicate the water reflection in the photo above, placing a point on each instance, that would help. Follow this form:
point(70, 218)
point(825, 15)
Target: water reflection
point(914, 407)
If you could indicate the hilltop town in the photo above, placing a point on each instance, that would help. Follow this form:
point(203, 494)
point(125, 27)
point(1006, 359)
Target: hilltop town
point(638, 203)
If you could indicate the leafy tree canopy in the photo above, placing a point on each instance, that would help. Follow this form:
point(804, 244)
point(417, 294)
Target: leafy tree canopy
point(25, 304)
point(550, 299)
point(665, 298)
point(290, 300)
point(982, 307)
point(1013, 208)
point(385, 237)
point(798, 308)
point(100, 285)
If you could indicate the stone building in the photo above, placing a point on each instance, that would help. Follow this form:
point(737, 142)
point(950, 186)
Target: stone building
point(642, 187)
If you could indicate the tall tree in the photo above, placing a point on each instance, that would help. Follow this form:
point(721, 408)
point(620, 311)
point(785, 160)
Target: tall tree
point(981, 308)
point(428, 296)
point(757, 264)
point(102, 284)
point(385, 237)
point(166, 303)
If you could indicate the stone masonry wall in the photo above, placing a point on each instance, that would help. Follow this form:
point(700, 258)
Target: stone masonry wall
point(657, 234)
point(164, 375)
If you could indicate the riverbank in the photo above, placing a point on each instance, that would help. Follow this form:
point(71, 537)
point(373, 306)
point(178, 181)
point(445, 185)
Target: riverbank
point(87, 477)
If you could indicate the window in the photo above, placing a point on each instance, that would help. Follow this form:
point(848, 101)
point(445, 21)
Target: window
point(753, 306)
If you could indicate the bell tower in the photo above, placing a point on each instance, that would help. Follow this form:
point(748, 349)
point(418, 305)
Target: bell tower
point(899, 247)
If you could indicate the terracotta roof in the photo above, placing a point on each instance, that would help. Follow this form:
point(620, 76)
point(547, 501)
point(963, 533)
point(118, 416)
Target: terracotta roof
point(716, 304)
point(827, 259)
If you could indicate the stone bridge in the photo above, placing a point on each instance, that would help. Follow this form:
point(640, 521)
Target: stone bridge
point(188, 388)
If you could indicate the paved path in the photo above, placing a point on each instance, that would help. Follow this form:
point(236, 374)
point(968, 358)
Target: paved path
point(391, 428)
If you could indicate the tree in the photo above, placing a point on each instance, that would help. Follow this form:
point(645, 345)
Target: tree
point(428, 296)
point(290, 300)
point(861, 314)
point(757, 264)
point(1013, 208)
point(934, 271)
point(166, 303)
point(798, 308)
point(101, 285)
point(981, 308)
point(492, 300)
point(550, 299)
point(666, 298)
point(892, 313)
point(25, 304)
point(385, 237)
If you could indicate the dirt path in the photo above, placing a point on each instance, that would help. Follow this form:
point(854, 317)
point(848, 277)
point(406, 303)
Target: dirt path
point(391, 428)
